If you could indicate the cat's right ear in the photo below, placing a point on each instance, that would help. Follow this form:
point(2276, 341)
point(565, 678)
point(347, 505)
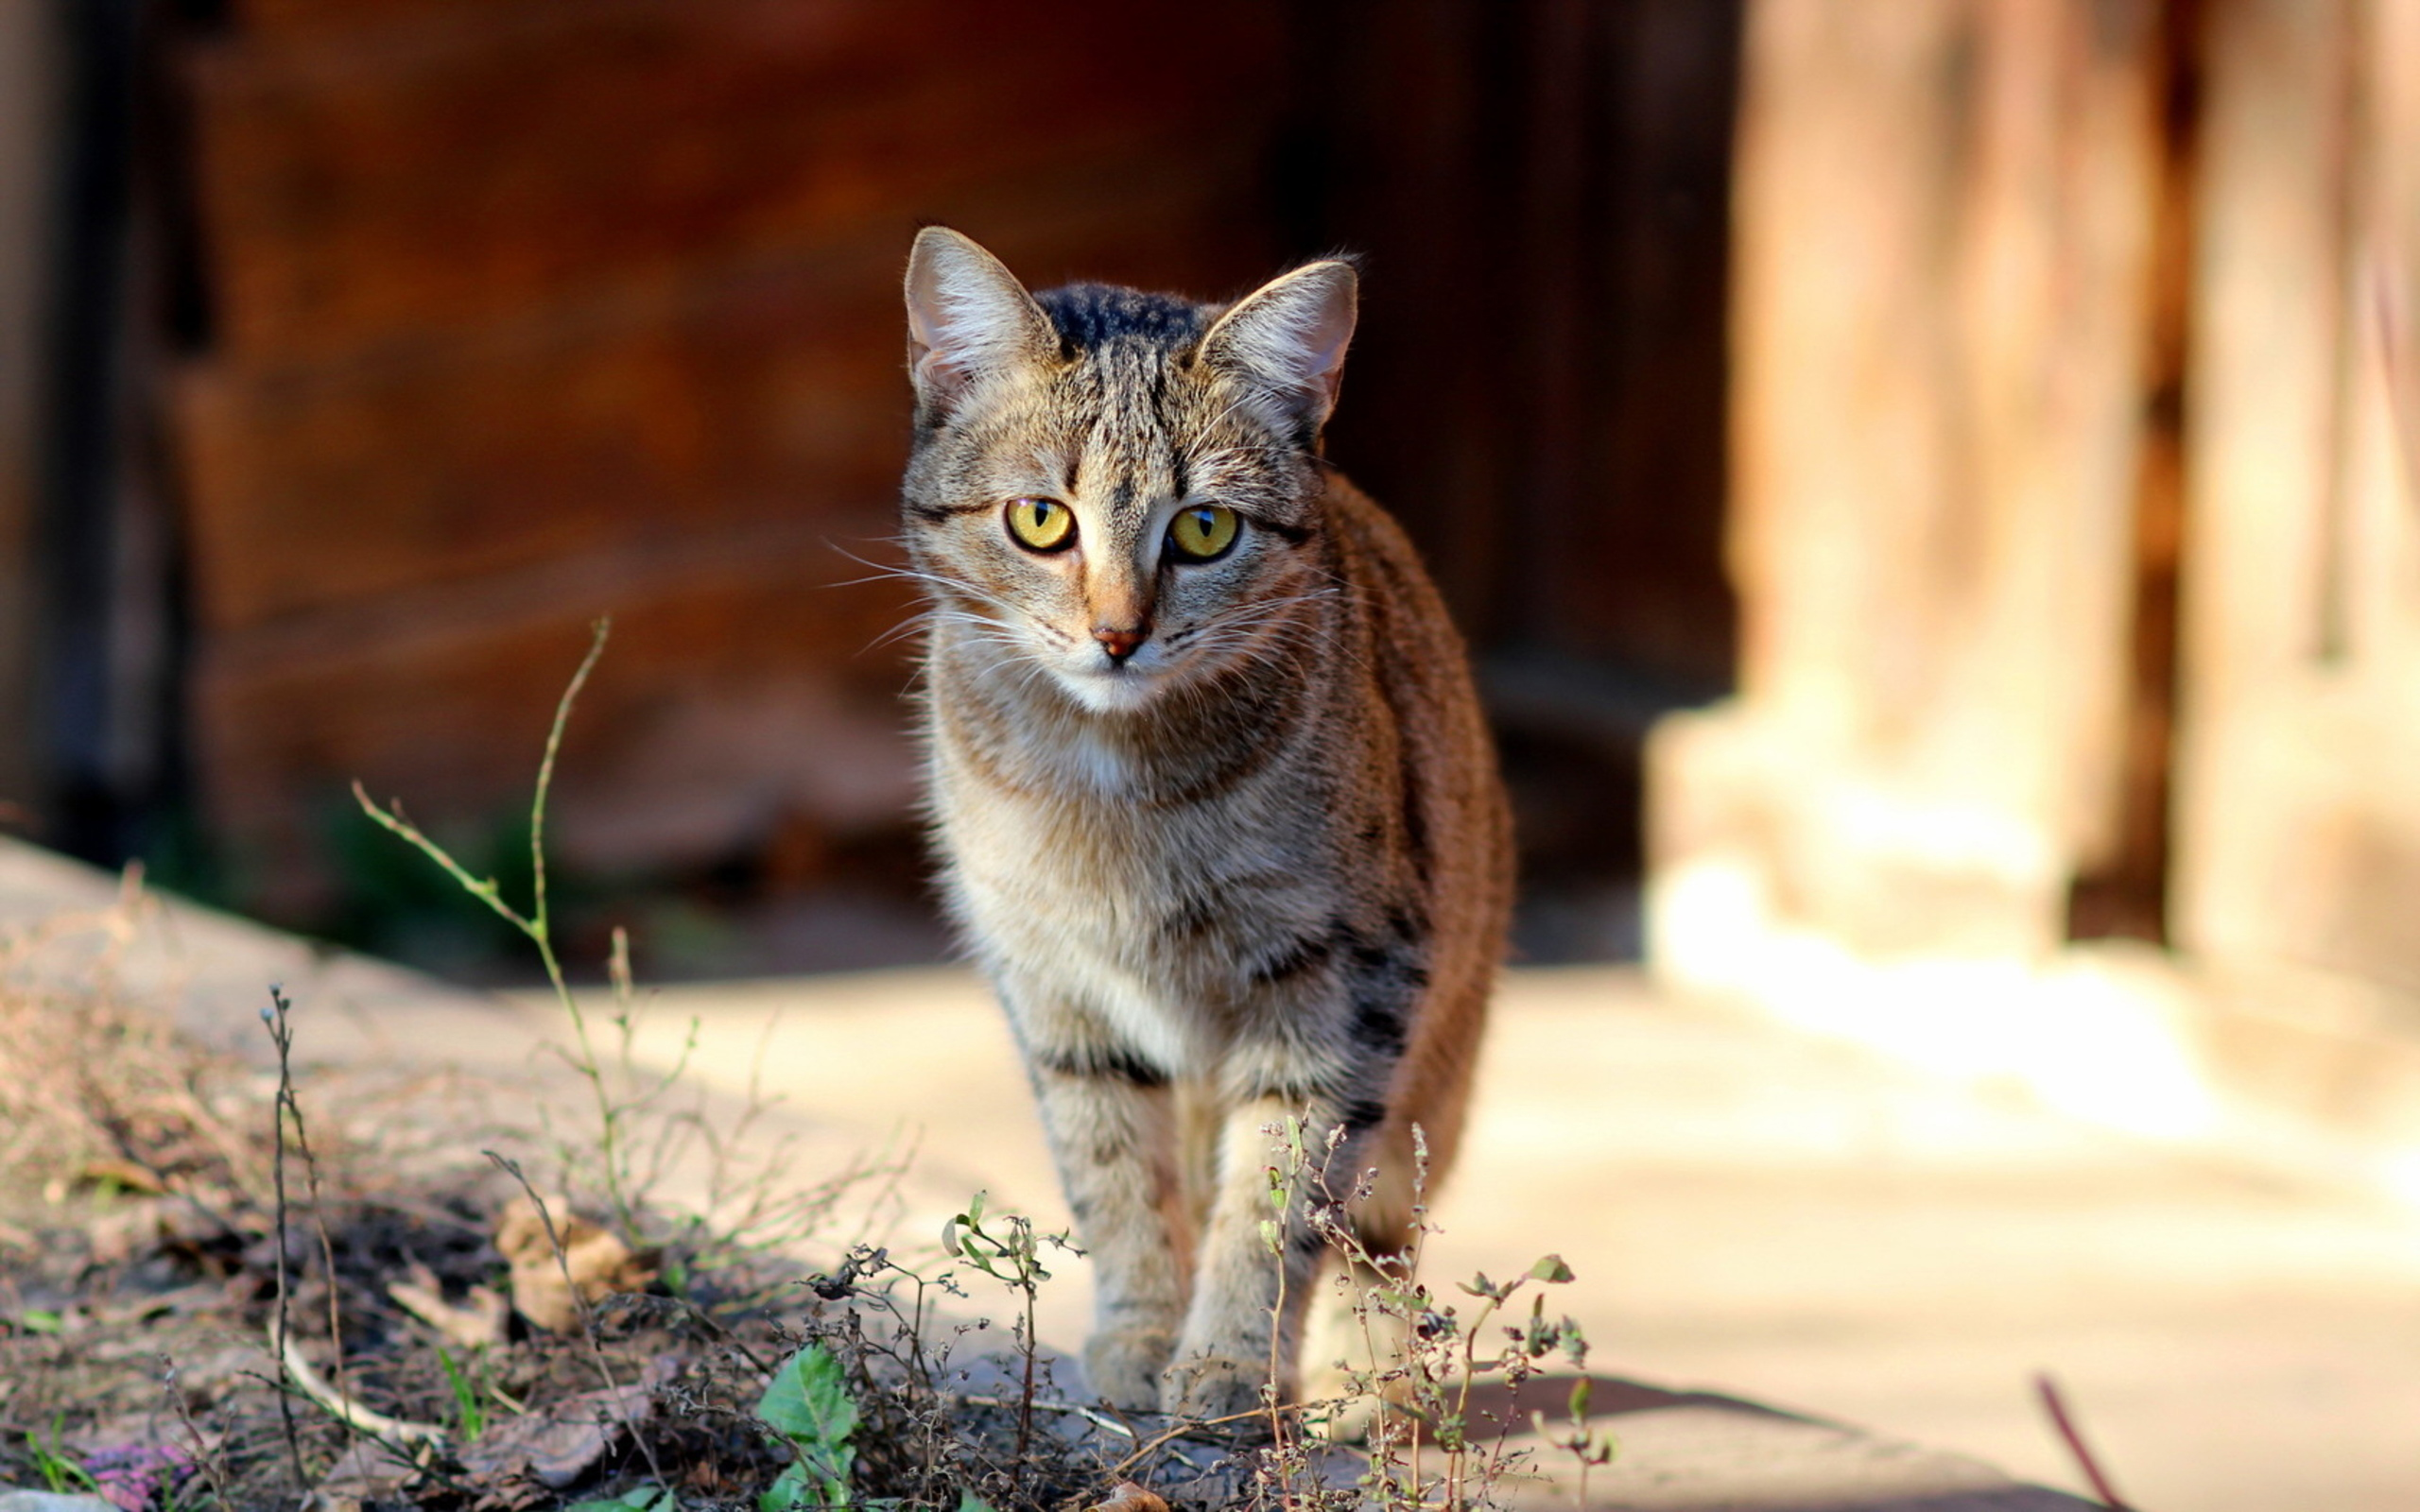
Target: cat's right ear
point(967, 316)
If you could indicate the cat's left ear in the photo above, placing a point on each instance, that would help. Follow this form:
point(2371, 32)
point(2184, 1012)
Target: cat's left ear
point(967, 318)
point(1289, 334)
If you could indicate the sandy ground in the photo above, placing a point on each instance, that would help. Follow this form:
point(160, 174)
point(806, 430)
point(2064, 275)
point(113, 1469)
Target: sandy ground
point(1755, 1212)
point(1750, 1211)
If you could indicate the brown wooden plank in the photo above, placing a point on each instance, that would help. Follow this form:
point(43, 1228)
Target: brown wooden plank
point(764, 399)
point(354, 192)
point(310, 490)
point(445, 701)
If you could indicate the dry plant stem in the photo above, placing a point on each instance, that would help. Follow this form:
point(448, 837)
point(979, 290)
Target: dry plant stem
point(204, 1457)
point(282, 1033)
point(1189, 1428)
point(318, 1216)
point(537, 924)
point(2055, 1404)
point(1034, 1403)
point(580, 1300)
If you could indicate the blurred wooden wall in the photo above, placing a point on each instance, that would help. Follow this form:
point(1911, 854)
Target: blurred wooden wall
point(29, 70)
point(517, 313)
point(2075, 521)
point(1944, 293)
point(2298, 807)
point(526, 313)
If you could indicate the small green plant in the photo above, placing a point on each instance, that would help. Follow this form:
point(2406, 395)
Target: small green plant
point(61, 1474)
point(748, 1206)
point(614, 1112)
point(1588, 1448)
point(808, 1407)
point(470, 1413)
point(1013, 1258)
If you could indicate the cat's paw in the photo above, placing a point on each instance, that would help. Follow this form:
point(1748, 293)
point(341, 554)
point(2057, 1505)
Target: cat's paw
point(1208, 1387)
point(1124, 1366)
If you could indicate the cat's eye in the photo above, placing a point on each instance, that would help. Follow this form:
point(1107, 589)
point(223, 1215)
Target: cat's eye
point(1202, 532)
point(1041, 524)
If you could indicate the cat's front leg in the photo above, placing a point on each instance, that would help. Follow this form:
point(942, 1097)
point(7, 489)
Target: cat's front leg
point(1107, 1113)
point(1244, 1325)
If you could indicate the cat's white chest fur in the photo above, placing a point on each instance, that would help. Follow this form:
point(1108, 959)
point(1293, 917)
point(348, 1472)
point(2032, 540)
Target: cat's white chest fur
point(1055, 905)
point(1093, 765)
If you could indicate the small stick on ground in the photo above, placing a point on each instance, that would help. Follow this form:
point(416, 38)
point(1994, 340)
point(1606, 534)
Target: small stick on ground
point(2061, 1419)
point(388, 1432)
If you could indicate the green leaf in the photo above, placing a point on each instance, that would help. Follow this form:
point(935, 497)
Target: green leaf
point(637, 1499)
point(37, 1321)
point(788, 1492)
point(969, 1502)
point(1579, 1390)
point(1552, 1268)
point(808, 1401)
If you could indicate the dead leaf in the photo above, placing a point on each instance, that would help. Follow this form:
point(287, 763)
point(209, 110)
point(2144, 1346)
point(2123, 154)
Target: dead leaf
point(1127, 1497)
point(555, 1445)
point(368, 1471)
point(473, 1327)
point(599, 1263)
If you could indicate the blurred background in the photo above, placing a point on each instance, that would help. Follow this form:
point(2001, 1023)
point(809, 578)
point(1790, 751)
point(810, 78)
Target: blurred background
point(1926, 483)
point(360, 355)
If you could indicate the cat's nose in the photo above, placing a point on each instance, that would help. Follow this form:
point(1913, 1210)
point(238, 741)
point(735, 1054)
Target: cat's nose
point(1121, 644)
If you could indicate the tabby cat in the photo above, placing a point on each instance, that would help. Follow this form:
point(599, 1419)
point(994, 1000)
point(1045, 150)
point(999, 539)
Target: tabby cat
point(1218, 813)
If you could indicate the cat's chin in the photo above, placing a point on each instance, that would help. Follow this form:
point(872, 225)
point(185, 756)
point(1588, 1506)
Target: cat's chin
point(1125, 691)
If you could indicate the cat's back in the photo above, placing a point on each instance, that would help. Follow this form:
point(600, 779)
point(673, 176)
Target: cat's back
point(1421, 672)
point(1459, 822)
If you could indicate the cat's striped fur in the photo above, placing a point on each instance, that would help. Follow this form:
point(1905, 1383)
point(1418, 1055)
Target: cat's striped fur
point(1227, 835)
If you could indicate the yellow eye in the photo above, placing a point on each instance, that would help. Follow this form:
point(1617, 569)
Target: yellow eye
point(1043, 524)
point(1204, 532)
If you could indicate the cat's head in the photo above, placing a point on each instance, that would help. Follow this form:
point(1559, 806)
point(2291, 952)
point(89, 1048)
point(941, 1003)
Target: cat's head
point(1115, 491)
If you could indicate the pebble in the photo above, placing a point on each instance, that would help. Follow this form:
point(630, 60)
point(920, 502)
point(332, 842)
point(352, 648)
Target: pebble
point(53, 1501)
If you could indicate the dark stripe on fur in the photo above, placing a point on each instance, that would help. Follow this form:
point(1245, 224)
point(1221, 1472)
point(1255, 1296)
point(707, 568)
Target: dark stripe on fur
point(1112, 1062)
point(1297, 958)
point(1377, 1023)
point(1092, 314)
point(1365, 1114)
point(934, 513)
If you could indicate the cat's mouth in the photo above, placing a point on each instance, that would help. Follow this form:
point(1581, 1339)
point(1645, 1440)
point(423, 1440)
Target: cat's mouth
point(1106, 685)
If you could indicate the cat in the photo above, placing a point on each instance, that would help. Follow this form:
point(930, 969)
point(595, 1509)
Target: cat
point(1217, 811)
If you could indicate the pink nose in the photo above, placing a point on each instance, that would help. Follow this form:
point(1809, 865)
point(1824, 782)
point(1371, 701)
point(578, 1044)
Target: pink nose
point(1120, 644)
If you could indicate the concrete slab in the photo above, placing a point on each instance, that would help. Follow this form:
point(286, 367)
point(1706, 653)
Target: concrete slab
point(1767, 1214)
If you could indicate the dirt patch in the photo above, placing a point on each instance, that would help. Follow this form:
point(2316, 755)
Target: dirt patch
point(380, 1308)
